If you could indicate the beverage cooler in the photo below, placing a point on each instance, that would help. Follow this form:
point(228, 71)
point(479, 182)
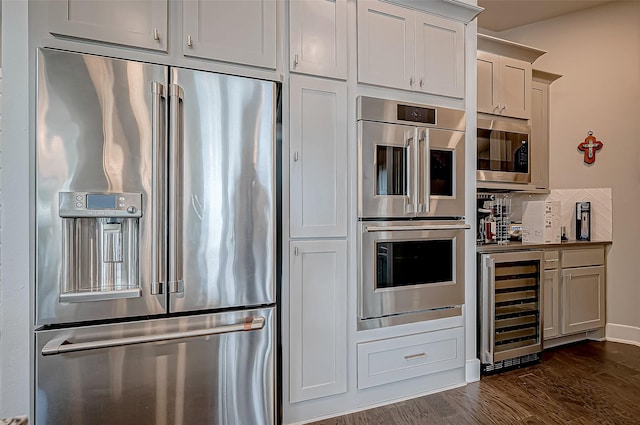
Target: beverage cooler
point(510, 299)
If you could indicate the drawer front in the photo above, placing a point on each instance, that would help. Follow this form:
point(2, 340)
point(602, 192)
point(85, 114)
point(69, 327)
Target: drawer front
point(582, 257)
point(395, 359)
point(551, 260)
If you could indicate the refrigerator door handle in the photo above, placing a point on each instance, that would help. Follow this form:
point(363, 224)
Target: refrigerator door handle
point(63, 345)
point(175, 283)
point(158, 238)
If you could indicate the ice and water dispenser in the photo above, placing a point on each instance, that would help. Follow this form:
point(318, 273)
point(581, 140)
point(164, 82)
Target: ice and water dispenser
point(100, 237)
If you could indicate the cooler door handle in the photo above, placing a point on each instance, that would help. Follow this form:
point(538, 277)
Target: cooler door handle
point(63, 345)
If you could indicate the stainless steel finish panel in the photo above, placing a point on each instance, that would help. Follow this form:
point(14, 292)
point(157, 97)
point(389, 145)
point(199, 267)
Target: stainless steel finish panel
point(375, 302)
point(94, 134)
point(386, 110)
point(204, 369)
point(225, 212)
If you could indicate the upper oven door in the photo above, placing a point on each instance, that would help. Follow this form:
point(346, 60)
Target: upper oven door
point(387, 185)
point(440, 173)
point(408, 171)
point(503, 151)
point(410, 266)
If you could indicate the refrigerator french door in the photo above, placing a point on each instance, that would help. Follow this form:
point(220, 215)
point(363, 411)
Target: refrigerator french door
point(156, 198)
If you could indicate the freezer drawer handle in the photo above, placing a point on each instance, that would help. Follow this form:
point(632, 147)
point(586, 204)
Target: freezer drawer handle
point(62, 345)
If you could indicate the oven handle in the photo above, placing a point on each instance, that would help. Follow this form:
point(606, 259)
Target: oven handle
point(412, 180)
point(425, 227)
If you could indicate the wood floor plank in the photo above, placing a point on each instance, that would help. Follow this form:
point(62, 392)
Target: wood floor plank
point(591, 383)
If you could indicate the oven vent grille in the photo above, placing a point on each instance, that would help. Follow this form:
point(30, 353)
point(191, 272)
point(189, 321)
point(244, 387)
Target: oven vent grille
point(513, 363)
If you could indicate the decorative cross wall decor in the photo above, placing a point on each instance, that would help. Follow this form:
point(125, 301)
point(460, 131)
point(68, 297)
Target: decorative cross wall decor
point(590, 146)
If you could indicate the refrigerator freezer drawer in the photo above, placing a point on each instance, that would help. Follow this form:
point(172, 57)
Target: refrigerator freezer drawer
point(205, 369)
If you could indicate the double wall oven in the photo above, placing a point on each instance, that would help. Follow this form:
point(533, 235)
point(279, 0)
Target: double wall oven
point(411, 212)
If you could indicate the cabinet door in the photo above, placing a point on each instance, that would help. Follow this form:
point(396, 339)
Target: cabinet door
point(130, 23)
point(439, 55)
point(488, 92)
point(386, 45)
point(551, 304)
point(318, 328)
point(583, 299)
point(318, 158)
point(232, 31)
point(318, 37)
point(539, 143)
point(515, 88)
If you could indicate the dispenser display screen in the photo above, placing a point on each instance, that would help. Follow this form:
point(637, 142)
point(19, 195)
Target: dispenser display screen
point(101, 202)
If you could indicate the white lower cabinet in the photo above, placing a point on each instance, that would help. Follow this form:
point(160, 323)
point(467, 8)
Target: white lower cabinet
point(395, 359)
point(574, 291)
point(318, 319)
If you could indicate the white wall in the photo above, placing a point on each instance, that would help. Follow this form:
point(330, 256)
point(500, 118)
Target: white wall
point(598, 53)
point(14, 290)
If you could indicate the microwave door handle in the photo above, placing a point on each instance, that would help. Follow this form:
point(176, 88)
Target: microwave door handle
point(400, 228)
point(175, 282)
point(159, 218)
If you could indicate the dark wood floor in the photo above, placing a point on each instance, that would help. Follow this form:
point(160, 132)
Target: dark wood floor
point(586, 383)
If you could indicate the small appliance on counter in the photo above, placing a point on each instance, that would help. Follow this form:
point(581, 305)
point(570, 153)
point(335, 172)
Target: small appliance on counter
point(583, 221)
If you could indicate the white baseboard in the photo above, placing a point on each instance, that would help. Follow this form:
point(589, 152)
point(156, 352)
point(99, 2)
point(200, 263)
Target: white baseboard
point(623, 333)
point(472, 370)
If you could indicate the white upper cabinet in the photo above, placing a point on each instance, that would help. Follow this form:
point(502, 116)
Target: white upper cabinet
point(233, 31)
point(140, 23)
point(318, 37)
point(440, 55)
point(406, 49)
point(504, 76)
point(504, 86)
point(386, 45)
point(318, 163)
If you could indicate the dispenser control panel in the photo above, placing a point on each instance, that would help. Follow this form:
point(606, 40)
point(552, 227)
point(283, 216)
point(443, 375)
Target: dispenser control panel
point(90, 204)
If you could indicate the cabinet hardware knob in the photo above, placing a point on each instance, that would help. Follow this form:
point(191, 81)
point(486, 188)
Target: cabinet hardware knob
point(189, 41)
point(296, 252)
point(156, 34)
point(503, 107)
point(411, 81)
point(296, 156)
point(421, 83)
point(295, 60)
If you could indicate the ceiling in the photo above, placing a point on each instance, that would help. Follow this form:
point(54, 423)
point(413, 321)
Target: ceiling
point(500, 15)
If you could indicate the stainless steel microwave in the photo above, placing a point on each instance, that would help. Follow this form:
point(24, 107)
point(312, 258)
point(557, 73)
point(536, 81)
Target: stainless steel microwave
point(503, 151)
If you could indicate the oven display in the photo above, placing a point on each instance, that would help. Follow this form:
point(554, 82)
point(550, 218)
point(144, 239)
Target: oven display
point(417, 114)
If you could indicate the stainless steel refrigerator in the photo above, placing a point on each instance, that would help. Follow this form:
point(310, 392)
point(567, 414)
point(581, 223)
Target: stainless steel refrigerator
point(155, 244)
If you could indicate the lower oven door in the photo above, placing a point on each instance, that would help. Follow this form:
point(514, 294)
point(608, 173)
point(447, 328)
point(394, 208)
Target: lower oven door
point(410, 266)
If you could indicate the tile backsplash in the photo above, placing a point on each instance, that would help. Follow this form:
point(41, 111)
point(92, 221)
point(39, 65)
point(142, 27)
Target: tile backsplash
point(601, 216)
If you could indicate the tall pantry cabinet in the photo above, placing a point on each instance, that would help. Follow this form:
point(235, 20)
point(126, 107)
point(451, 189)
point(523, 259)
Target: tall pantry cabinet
point(318, 199)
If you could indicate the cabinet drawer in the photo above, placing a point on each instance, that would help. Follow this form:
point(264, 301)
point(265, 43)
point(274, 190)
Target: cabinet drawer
point(582, 257)
point(551, 260)
point(390, 360)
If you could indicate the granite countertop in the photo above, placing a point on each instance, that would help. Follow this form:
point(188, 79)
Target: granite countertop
point(517, 245)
